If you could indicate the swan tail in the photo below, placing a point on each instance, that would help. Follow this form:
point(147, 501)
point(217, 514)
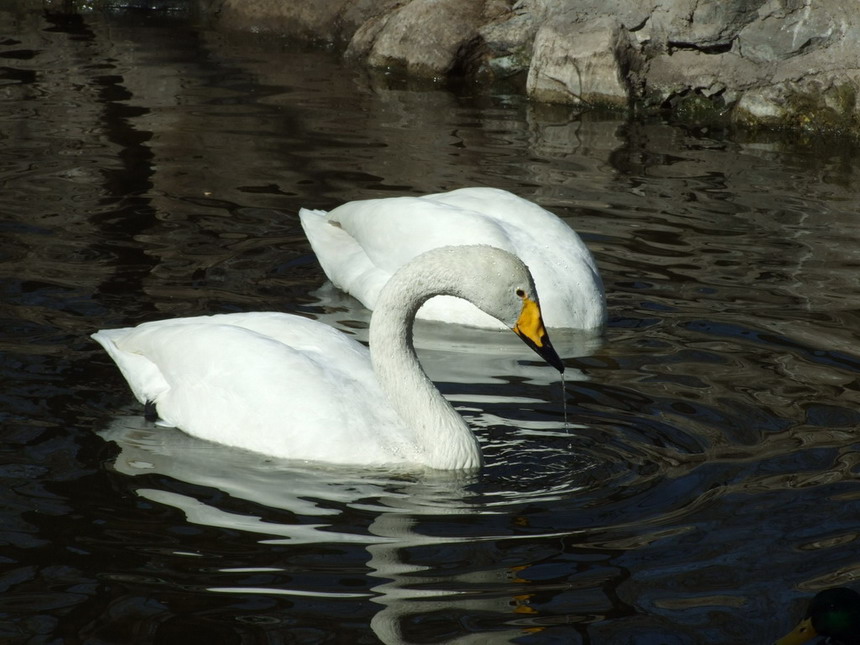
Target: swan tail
point(342, 259)
point(142, 375)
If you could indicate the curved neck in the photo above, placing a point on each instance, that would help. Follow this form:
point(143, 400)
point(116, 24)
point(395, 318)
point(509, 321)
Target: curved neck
point(442, 437)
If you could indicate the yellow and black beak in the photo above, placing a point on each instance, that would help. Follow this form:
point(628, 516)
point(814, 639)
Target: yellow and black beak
point(530, 328)
point(803, 633)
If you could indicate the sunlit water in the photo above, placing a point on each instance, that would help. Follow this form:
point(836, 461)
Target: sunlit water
point(704, 486)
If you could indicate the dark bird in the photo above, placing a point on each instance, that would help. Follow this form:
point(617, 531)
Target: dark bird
point(834, 613)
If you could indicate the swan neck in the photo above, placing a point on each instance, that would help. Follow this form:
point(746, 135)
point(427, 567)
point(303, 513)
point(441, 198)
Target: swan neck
point(442, 437)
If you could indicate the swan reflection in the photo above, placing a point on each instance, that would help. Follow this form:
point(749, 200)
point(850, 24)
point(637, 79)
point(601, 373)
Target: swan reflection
point(415, 528)
point(458, 354)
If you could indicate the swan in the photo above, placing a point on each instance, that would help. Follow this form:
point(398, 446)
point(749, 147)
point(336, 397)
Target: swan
point(295, 388)
point(361, 244)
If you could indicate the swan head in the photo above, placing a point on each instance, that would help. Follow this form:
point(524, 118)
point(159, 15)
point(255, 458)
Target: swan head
point(500, 284)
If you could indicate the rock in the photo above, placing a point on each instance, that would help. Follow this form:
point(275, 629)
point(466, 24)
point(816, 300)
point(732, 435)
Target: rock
point(709, 26)
point(820, 102)
point(314, 20)
point(507, 45)
point(309, 20)
point(423, 36)
point(784, 30)
point(763, 62)
point(690, 71)
point(580, 62)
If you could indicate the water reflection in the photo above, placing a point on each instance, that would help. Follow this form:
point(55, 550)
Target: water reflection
point(399, 519)
point(456, 354)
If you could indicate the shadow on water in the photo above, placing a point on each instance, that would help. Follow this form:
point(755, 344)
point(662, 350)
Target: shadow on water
point(704, 484)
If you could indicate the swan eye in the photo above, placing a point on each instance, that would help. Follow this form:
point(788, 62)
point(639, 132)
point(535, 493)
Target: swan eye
point(521, 293)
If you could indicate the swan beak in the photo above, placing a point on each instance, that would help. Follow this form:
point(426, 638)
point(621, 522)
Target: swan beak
point(530, 328)
point(803, 633)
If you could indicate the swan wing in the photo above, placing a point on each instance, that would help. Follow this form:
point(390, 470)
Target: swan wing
point(272, 383)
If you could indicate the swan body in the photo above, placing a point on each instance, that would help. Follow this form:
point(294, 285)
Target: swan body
point(289, 387)
point(361, 244)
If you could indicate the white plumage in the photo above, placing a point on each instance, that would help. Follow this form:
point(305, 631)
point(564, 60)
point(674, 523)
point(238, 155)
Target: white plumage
point(362, 243)
point(290, 387)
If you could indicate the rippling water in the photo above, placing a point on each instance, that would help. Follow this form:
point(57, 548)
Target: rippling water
point(705, 484)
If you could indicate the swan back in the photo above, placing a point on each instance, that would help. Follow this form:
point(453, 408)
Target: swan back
point(354, 246)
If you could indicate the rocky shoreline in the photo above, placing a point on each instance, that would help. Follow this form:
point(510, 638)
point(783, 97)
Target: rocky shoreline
point(779, 63)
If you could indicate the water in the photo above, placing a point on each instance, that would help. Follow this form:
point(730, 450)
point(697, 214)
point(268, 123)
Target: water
point(706, 484)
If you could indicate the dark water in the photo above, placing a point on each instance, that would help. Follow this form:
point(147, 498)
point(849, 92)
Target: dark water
point(707, 483)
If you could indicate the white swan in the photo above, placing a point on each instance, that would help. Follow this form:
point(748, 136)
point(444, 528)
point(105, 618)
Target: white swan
point(362, 243)
point(290, 387)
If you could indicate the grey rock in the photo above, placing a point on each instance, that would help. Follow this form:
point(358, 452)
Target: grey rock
point(594, 71)
point(508, 44)
point(788, 29)
point(774, 62)
point(423, 36)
